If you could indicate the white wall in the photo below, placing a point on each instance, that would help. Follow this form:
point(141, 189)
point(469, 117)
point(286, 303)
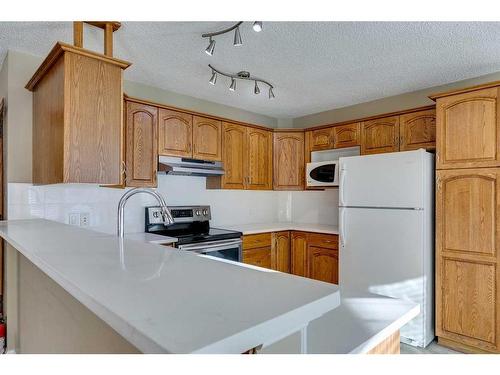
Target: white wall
point(229, 207)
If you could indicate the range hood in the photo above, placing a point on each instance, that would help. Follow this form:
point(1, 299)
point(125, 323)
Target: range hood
point(189, 167)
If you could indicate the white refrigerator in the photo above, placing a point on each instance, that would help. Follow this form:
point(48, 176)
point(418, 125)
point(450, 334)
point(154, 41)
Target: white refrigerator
point(386, 225)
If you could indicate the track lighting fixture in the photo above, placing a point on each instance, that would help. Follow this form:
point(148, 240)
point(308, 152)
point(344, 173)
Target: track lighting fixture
point(257, 26)
point(243, 75)
point(233, 85)
point(237, 38)
point(271, 93)
point(211, 47)
point(256, 90)
point(213, 80)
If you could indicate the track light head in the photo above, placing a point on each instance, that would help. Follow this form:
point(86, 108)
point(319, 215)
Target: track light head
point(233, 85)
point(237, 38)
point(213, 80)
point(256, 89)
point(271, 93)
point(257, 26)
point(211, 47)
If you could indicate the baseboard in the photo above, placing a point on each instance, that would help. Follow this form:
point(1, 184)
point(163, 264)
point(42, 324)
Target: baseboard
point(460, 347)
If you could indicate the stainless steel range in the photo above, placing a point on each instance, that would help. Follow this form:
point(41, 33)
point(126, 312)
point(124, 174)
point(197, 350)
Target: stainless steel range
point(192, 229)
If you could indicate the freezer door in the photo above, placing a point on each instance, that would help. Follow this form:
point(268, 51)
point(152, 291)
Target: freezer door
point(382, 252)
point(395, 179)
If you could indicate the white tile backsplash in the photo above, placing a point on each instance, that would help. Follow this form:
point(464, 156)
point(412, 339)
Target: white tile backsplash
point(229, 207)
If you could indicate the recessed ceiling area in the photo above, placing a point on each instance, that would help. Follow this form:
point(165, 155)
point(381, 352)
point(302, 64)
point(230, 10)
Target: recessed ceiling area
point(314, 66)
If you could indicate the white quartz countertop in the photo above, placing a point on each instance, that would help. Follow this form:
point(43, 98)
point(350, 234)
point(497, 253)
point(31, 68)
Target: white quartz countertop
point(361, 322)
point(163, 300)
point(277, 227)
point(151, 238)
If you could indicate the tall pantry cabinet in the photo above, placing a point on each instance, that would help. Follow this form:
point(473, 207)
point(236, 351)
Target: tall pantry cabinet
point(468, 219)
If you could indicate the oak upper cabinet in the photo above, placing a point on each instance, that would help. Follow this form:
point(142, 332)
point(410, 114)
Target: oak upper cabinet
point(467, 257)
point(234, 157)
point(257, 249)
point(380, 135)
point(298, 253)
point(467, 130)
point(207, 135)
point(289, 161)
point(346, 135)
point(78, 117)
point(259, 159)
point(141, 140)
point(281, 251)
point(175, 133)
point(417, 130)
point(321, 139)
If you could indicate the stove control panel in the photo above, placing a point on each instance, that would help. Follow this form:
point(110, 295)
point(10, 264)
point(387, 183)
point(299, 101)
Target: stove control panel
point(181, 214)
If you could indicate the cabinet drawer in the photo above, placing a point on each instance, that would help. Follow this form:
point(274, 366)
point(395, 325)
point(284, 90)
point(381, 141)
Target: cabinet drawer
point(253, 241)
point(260, 257)
point(328, 241)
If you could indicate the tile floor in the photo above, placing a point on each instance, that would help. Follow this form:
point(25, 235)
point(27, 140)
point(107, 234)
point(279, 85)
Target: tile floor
point(432, 348)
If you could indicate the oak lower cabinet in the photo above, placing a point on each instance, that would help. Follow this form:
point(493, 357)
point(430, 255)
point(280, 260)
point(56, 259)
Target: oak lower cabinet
point(78, 117)
point(175, 133)
point(141, 144)
point(315, 256)
point(247, 157)
point(417, 130)
point(257, 249)
point(380, 135)
point(312, 255)
point(298, 253)
point(323, 264)
point(467, 259)
point(467, 129)
point(289, 173)
point(280, 255)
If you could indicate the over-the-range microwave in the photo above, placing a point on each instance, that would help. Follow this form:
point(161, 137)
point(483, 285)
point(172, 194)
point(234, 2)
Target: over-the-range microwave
point(322, 173)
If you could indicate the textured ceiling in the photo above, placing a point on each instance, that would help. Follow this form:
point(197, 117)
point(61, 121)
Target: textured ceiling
point(315, 66)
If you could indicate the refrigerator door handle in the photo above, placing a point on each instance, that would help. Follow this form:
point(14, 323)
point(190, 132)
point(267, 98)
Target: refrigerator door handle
point(342, 227)
point(341, 187)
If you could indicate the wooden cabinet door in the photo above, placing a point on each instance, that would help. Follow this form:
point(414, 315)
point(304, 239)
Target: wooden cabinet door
point(346, 135)
point(467, 130)
point(417, 130)
point(281, 251)
point(321, 139)
point(380, 135)
point(141, 142)
point(234, 156)
point(467, 253)
point(207, 134)
point(299, 253)
point(260, 257)
point(323, 264)
point(260, 164)
point(289, 161)
point(175, 133)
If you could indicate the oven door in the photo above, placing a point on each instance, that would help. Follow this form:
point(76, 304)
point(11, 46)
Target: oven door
point(324, 173)
point(225, 249)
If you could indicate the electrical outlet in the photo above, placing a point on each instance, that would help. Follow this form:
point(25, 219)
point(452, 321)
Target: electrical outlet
point(84, 219)
point(74, 218)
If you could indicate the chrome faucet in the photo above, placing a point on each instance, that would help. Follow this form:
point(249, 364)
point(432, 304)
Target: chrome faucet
point(165, 212)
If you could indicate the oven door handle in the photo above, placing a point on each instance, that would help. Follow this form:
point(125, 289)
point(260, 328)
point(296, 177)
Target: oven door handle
point(206, 248)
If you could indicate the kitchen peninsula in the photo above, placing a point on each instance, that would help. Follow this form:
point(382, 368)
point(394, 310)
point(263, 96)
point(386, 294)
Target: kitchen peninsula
point(155, 299)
